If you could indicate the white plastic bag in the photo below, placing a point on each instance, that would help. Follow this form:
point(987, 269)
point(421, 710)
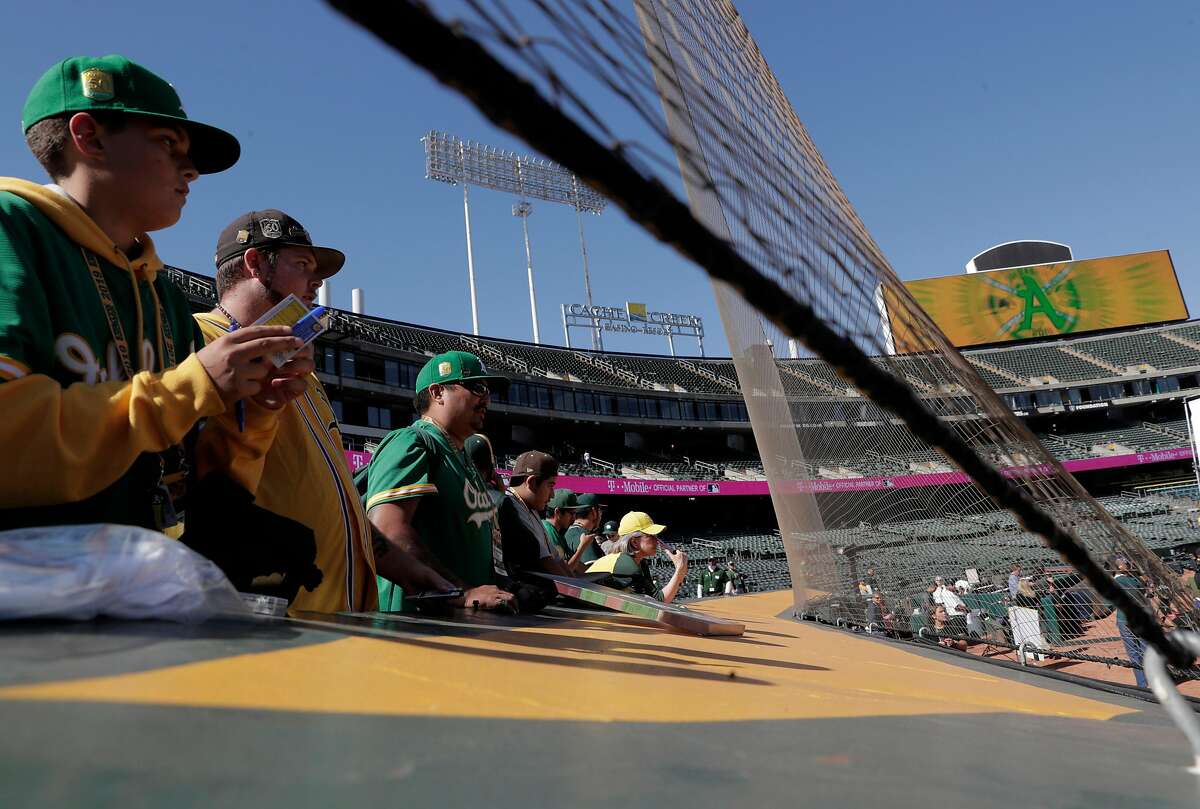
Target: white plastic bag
point(79, 572)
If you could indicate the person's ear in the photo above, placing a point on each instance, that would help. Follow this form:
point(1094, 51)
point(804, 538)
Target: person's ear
point(255, 262)
point(86, 134)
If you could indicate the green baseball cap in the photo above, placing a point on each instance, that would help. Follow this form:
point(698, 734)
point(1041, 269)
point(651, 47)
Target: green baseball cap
point(587, 501)
point(87, 83)
point(563, 498)
point(455, 366)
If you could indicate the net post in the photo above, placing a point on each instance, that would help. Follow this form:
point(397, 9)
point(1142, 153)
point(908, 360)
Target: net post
point(770, 417)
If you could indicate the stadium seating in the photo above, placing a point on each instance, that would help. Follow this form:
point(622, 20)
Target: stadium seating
point(1047, 362)
point(1065, 446)
point(988, 375)
point(989, 541)
point(1141, 348)
point(822, 372)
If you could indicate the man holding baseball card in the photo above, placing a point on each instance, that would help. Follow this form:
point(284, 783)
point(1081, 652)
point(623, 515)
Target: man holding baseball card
point(285, 446)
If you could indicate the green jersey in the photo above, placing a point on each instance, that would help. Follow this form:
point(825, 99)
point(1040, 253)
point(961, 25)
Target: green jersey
point(573, 537)
point(455, 518)
point(556, 541)
point(713, 582)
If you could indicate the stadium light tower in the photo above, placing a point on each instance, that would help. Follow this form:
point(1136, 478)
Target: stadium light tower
point(449, 159)
point(524, 209)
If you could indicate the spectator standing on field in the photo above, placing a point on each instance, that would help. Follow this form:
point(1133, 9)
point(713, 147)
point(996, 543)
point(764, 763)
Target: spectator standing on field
point(735, 582)
point(1135, 648)
point(1014, 580)
point(712, 580)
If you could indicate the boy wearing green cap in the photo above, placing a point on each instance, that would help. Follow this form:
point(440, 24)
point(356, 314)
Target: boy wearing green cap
point(560, 511)
point(570, 546)
point(610, 536)
point(582, 538)
point(425, 497)
point(98, 379)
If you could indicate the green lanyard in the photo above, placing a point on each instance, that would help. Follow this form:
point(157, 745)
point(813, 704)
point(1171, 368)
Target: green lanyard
point(114, 321)
point(161, 501)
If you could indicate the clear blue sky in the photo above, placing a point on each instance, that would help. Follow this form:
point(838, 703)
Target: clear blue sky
point(952, 126)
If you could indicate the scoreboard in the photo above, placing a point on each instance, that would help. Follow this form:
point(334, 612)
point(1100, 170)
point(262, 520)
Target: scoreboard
point(1048, 300)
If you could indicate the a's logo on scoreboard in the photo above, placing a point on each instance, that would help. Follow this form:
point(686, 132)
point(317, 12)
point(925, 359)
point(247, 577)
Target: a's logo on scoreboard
point(1045, 300)
point(1029, 306)
point(636, 311)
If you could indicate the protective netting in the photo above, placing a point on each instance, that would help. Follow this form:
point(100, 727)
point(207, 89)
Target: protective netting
point(654, 102)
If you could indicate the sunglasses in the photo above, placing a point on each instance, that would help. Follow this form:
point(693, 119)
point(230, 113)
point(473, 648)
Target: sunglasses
point(477, 387)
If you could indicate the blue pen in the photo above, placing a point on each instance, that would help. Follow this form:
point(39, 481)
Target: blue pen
point(239, 410)
point(239, 407)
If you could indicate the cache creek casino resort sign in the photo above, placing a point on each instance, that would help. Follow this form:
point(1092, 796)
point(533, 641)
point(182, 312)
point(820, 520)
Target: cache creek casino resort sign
point(633, 318)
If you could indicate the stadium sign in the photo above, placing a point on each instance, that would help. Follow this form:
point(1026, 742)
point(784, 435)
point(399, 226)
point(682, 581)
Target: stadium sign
point(633, 318)
point(1088, 405)
point(710, 488)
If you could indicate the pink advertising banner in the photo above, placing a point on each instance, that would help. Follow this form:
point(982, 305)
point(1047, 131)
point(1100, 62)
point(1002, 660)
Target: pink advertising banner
point(709, 488)
point(357, 459)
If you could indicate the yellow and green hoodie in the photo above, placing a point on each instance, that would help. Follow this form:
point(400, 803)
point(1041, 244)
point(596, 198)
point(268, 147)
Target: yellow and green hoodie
point(73, 427)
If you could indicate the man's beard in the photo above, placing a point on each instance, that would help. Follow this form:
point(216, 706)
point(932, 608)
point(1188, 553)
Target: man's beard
point(273, 295)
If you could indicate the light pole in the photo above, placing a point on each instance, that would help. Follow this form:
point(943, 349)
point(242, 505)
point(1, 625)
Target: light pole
point(470, 264)
point(449, 159)
point(523, 210)
point(597, 340)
